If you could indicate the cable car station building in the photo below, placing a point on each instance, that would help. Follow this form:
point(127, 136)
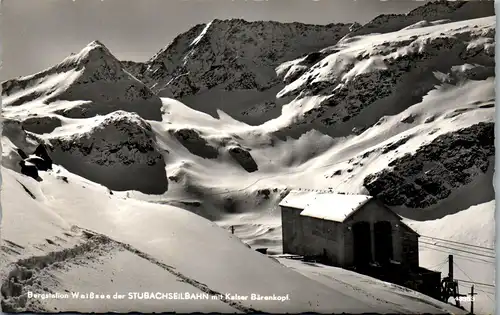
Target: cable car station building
point(353, 232)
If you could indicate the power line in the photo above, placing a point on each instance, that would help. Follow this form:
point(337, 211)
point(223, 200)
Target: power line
point(463, 257)
point(466, 285)
point(451, 250)
point(454, 248)
point(480, 284)
point(471, 281)
point(477, 283)
point(459, 243)
point(459, 250)
point(438, 265)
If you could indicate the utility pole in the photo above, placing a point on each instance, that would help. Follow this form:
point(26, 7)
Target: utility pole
point(450, 267)
point(472, 299)
point(449, 287)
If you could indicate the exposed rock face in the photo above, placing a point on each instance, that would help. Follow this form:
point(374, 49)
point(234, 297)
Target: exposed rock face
point(41, 124)
point(244, 158)
point(43, 158)
point(240, 55)
point(260, 109)
point(232, 55)
point(29, 169)
point(93, 80)
point(39, 163)
point(30, 165)
point(119, 152)
point(195, 143)
point(435, 170)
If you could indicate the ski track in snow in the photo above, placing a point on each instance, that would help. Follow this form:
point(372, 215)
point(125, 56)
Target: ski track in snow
point(24, 271)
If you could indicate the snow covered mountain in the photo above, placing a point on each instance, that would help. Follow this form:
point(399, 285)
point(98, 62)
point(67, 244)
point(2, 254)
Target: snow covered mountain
point(434, 12)
point(92, 82)
point(231, 59)
point(361, 80)
point(219, 126)
point(117, 150)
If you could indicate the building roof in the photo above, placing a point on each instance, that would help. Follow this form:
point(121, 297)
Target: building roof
point(326, 206)
point(334, 207)
point(298, 199)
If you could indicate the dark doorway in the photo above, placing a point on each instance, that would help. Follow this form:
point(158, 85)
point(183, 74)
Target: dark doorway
point(383, 242)
point(362, 243)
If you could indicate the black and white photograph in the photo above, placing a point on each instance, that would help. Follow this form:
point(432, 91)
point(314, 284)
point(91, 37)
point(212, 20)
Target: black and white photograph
point(247, 156)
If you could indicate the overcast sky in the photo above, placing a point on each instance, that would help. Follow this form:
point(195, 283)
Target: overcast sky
point(36, 34)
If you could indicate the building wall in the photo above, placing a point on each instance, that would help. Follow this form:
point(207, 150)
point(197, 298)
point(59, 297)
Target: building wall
point(292, 231)
point(310, 236)
point(323, 238)
point(348, 252)
point(409, 244)
point(372, 212)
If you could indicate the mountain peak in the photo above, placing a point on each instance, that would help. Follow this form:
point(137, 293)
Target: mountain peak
point(96, 43)
point(94, 52)
point(92, 81)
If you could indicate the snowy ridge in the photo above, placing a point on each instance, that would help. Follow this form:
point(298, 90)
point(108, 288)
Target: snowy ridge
point(434, 11)
point(234, 53)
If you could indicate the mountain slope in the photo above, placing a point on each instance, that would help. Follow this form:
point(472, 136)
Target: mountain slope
point(139, 243)
point(360, 81)
point(92, 82)
point(231, 60)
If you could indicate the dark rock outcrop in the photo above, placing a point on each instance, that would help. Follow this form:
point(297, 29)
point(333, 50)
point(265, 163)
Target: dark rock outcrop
point(41, 124)
point(29, 169)
point(195, 143)
point(22, 154)
point(436, 169)
point(43, 155)
point(38, 161)
point(244, 158)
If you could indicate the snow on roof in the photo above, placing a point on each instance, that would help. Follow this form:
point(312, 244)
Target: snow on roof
point(334, 207)
point(298, 199)
point(326, 206)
